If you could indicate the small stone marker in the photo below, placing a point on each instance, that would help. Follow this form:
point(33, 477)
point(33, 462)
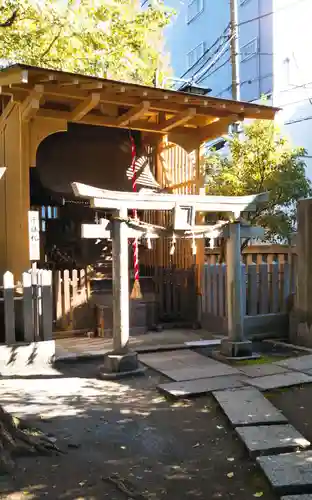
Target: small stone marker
point(300, 364)
point(248, 407)
point(262, 370)
point(297, 497)
point(201, 386)
point(267, 439)
point(289, 473)
point(286, 379)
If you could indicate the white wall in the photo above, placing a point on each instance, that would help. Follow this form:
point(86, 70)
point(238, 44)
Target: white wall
point(292, 69)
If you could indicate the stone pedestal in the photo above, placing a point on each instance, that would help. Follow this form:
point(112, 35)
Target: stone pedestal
point(233, 349)
point(119, 364)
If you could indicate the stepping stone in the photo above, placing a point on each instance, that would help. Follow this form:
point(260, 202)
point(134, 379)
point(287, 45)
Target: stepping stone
point(248, 407)
point(267, 439)
point(286, 379)
point(297, 497)
point(262, 370)
point(289, 473)
point(201, 386)
point(301, 364)
point(169, 360)
point(186, 365)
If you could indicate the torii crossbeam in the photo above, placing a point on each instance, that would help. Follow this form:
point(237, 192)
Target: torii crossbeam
point(121, 228)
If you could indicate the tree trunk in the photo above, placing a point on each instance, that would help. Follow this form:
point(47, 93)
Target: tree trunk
point(19, 438)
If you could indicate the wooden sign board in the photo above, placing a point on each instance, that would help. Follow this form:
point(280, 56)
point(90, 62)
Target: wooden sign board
point(34, 235)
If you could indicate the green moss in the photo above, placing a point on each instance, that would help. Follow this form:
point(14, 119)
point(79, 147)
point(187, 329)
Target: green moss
point(265, 359)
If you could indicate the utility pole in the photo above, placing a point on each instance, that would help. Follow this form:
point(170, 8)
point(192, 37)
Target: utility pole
point(235, 50)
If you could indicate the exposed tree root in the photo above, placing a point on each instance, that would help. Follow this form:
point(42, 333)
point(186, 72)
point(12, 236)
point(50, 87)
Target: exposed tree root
point(18, 438)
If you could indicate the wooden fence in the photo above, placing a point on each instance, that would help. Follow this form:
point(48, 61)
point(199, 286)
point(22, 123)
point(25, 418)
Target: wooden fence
point(255, 254)
point(71, 294)
point(265, 289)
point(26, 309)
point(175, 293)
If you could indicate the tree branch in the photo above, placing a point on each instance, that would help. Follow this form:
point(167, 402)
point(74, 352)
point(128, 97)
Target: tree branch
point(47, 50)
point(10, 21)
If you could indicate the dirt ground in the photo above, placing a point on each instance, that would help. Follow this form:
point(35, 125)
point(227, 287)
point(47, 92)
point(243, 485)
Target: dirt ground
point(169, 450)
point(296, 404)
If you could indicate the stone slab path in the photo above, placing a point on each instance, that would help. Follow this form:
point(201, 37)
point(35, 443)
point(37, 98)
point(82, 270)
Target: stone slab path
point(262, 370)
point(248, 407)
point(267, 439)
point(186, 365)
point(297, 497)
point(288, 473)
point(201, 386)
point(301, 363)
point(286, 379)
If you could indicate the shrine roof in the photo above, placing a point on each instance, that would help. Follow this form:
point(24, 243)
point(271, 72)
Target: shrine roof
point(97, 101)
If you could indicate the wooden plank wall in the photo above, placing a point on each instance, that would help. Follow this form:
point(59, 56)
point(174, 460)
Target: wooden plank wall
point(178, 171)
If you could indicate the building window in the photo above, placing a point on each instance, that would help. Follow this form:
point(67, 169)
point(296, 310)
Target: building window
point(195, 54)
point(194, 8)
point(249, 50)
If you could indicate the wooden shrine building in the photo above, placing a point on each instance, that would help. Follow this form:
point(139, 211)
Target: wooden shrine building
point(57, 128)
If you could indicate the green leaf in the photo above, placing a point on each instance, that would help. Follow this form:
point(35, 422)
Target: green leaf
point(107, 38)
point(262, 160)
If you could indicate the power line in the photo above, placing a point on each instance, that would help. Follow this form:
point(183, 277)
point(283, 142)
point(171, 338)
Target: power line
point(257, 79)
point(218, 53)
point(242, 23)
point(223, 35)
point(214, 71)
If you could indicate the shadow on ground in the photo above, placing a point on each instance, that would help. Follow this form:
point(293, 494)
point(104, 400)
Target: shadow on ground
point(169, 450)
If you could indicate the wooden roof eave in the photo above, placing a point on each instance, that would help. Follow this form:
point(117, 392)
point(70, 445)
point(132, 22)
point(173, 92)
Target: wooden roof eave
point(147, 109)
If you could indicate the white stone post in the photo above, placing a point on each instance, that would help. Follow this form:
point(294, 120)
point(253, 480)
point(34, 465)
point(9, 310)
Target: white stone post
point(120, 283)
point(121, 361)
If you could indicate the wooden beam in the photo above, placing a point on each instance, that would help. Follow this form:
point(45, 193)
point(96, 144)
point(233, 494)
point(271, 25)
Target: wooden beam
point(79, 93)
point(179, 119)
point(31, 104)
point(204, 106)
point(101, 121)
point(84, 107)
point(132, 114)
point(12, 76)
point(6, 112)
point(217, 128)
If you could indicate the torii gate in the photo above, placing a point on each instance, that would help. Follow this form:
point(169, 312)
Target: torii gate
point(122, 360)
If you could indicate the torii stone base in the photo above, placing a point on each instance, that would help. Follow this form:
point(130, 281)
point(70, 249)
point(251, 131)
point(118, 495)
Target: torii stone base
point(120, 364)
point(239, 350)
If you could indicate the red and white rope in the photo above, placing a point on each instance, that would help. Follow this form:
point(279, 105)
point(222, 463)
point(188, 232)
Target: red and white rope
point(135, 245)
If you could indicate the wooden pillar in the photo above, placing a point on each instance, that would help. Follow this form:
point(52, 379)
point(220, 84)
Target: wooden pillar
point(14, 191)
point(200, 219)
point(301, 314)
point(120, 283)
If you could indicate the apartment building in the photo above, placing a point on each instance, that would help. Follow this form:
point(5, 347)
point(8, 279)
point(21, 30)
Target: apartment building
point(275, 59)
